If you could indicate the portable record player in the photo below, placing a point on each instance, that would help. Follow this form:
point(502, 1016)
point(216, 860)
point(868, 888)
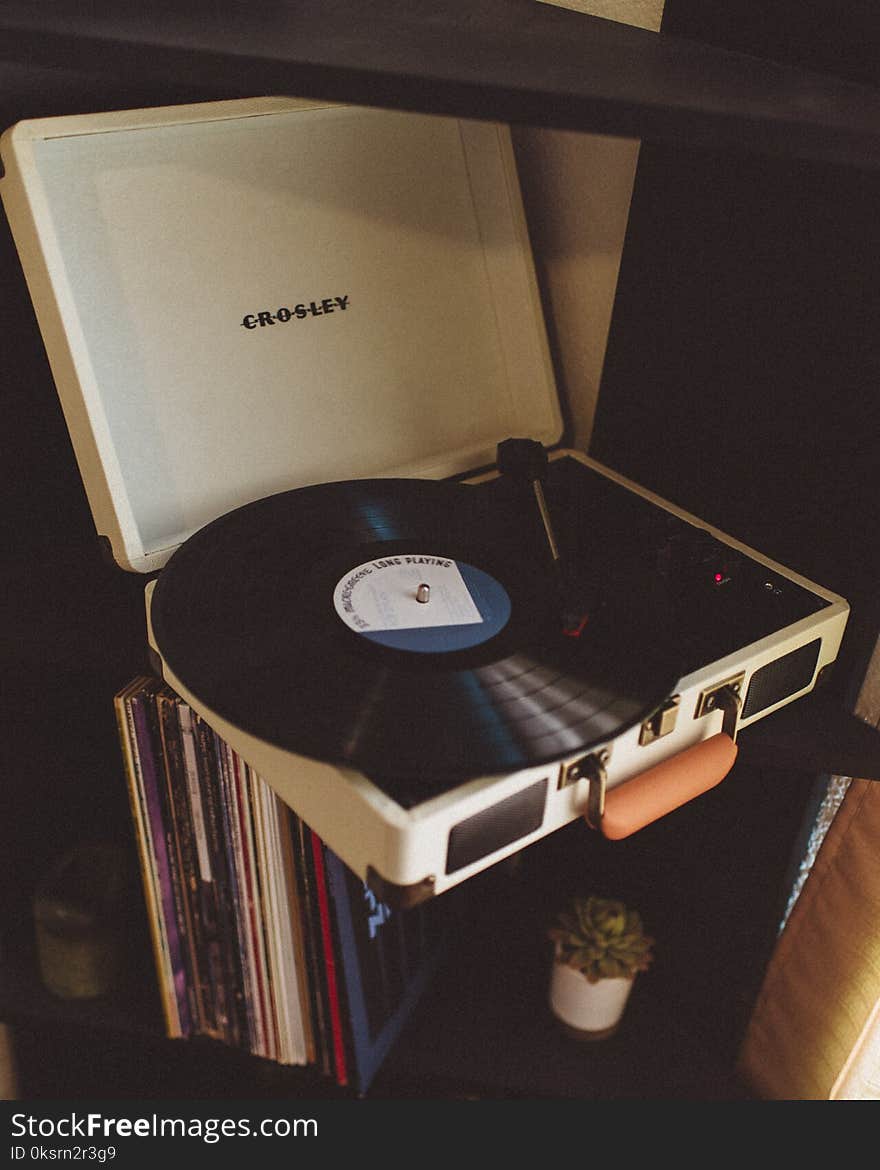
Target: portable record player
point(301, 355)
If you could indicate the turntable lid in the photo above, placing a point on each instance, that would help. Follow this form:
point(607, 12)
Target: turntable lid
point(238, 298)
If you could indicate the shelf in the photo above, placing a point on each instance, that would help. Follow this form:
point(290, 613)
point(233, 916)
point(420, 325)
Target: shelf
point(517, 61)
point(703, 879)
point(493, 985)
point(707, 878)
point(114, 1046)
point(133, 1010)
point(664, 1049)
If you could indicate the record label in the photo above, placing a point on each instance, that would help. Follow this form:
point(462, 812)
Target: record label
point(420, 602)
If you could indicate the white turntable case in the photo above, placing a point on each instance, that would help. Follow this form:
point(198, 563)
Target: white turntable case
point(244, 297)
point(149, 237)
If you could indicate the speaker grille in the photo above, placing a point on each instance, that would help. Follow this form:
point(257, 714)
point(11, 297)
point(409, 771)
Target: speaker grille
point(496, 826)
point(777, 680)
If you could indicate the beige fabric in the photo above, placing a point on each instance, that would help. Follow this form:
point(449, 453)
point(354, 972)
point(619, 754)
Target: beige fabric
point(577, 189)
point(860, 1077)
point(643, 13)
point(815, 1030)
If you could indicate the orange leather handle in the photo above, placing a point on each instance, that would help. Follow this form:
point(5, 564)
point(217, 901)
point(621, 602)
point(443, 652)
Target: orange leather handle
point(667, 786)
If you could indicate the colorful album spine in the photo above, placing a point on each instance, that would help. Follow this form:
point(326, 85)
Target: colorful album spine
point(143, 704)
point(228, 987)
point(235, 916)
point(202, 885)
point(181, 846)
point(316, 984)
point(266, 1045)
point(230, 764)
point(279, 935)
point(296, 895)
point(262, 938)
point(337, 1034)
point(146, 857)
point(265, 917)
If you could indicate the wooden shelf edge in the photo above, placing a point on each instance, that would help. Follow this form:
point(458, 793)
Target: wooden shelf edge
point(516, 61)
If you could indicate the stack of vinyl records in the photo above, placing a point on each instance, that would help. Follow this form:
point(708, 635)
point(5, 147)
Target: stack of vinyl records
point(263, 939)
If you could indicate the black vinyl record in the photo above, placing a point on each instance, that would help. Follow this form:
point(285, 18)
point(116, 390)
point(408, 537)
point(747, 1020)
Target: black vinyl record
point(254, 615)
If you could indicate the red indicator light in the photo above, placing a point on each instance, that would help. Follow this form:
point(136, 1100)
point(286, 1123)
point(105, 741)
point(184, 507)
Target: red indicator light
point(576, 626)
point(719, 577)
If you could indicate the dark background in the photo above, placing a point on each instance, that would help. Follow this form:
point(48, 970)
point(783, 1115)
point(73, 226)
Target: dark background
point(744, 356)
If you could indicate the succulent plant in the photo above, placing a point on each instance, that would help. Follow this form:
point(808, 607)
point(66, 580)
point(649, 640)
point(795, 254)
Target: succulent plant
point(601, 938)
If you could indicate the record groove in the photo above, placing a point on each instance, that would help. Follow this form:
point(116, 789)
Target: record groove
point(244, 615)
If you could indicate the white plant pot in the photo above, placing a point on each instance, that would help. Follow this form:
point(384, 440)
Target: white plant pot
point(589, 1011)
